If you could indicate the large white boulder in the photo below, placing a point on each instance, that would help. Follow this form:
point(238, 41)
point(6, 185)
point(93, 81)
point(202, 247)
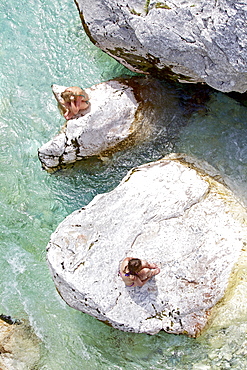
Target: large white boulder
point(194, 41)
point(120, 114)
point(109, 120)
point(170, 212)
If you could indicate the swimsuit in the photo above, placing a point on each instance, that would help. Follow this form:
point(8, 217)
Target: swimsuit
point(86, 101)
point(128, 274)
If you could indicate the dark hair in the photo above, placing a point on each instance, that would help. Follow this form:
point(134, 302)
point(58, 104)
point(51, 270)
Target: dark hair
point(134, 265)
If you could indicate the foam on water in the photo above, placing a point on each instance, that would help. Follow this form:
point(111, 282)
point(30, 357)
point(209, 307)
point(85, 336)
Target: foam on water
point(42, 42)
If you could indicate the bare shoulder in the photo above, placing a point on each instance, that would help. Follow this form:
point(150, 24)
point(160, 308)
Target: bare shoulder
point(126, 260)
point(124, 263)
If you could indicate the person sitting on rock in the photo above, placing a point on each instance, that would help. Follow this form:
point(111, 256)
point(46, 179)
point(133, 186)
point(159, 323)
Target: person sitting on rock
point(74, 100)
point(136, 272)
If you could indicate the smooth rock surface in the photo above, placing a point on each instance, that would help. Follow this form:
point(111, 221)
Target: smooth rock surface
point(116, 118)
point(198, 41)
point(169, 212)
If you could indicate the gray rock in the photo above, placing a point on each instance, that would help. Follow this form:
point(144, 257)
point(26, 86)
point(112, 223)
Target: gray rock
point(198, 41)
point(170, 212)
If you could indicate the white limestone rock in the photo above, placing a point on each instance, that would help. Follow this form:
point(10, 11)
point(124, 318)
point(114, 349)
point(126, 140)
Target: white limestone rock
point(169, 212)
point(116, 116)
point(199, 41)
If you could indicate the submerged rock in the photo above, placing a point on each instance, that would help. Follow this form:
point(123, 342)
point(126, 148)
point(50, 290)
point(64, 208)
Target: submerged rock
point(171, 212)
point(19, 346)
point(118, 115)
point(200, 41)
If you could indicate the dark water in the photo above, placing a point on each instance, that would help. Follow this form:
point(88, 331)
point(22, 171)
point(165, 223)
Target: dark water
point(43, 43)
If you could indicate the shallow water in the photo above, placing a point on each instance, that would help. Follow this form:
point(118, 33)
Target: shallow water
point(43, 43)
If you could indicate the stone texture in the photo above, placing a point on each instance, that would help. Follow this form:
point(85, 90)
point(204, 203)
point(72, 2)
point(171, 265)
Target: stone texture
point(119, 115)
point(198, 41)
point(170, 212)
point(19, 346)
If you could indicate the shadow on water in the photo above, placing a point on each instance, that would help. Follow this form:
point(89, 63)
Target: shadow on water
point(240, 98)
point(168, 108)
point(218, 135)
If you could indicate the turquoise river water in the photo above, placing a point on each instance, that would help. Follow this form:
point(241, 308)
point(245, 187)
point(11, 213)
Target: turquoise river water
point(42, 42)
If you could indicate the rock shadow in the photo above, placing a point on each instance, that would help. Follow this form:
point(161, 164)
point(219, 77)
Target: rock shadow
point(145, 296)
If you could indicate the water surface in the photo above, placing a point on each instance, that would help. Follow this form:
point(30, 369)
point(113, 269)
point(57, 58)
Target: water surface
point(43, 43)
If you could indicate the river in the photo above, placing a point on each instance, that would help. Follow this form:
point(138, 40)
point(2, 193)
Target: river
point(43, 42)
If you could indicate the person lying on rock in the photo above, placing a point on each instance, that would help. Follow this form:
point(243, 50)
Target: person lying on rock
point(74, 100)
point(136, 272)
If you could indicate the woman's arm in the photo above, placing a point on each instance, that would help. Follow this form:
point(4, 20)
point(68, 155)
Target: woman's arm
point(85, 96)
point(151, 265)
point(146, 264)
point(139, 282)
point(74, 107)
